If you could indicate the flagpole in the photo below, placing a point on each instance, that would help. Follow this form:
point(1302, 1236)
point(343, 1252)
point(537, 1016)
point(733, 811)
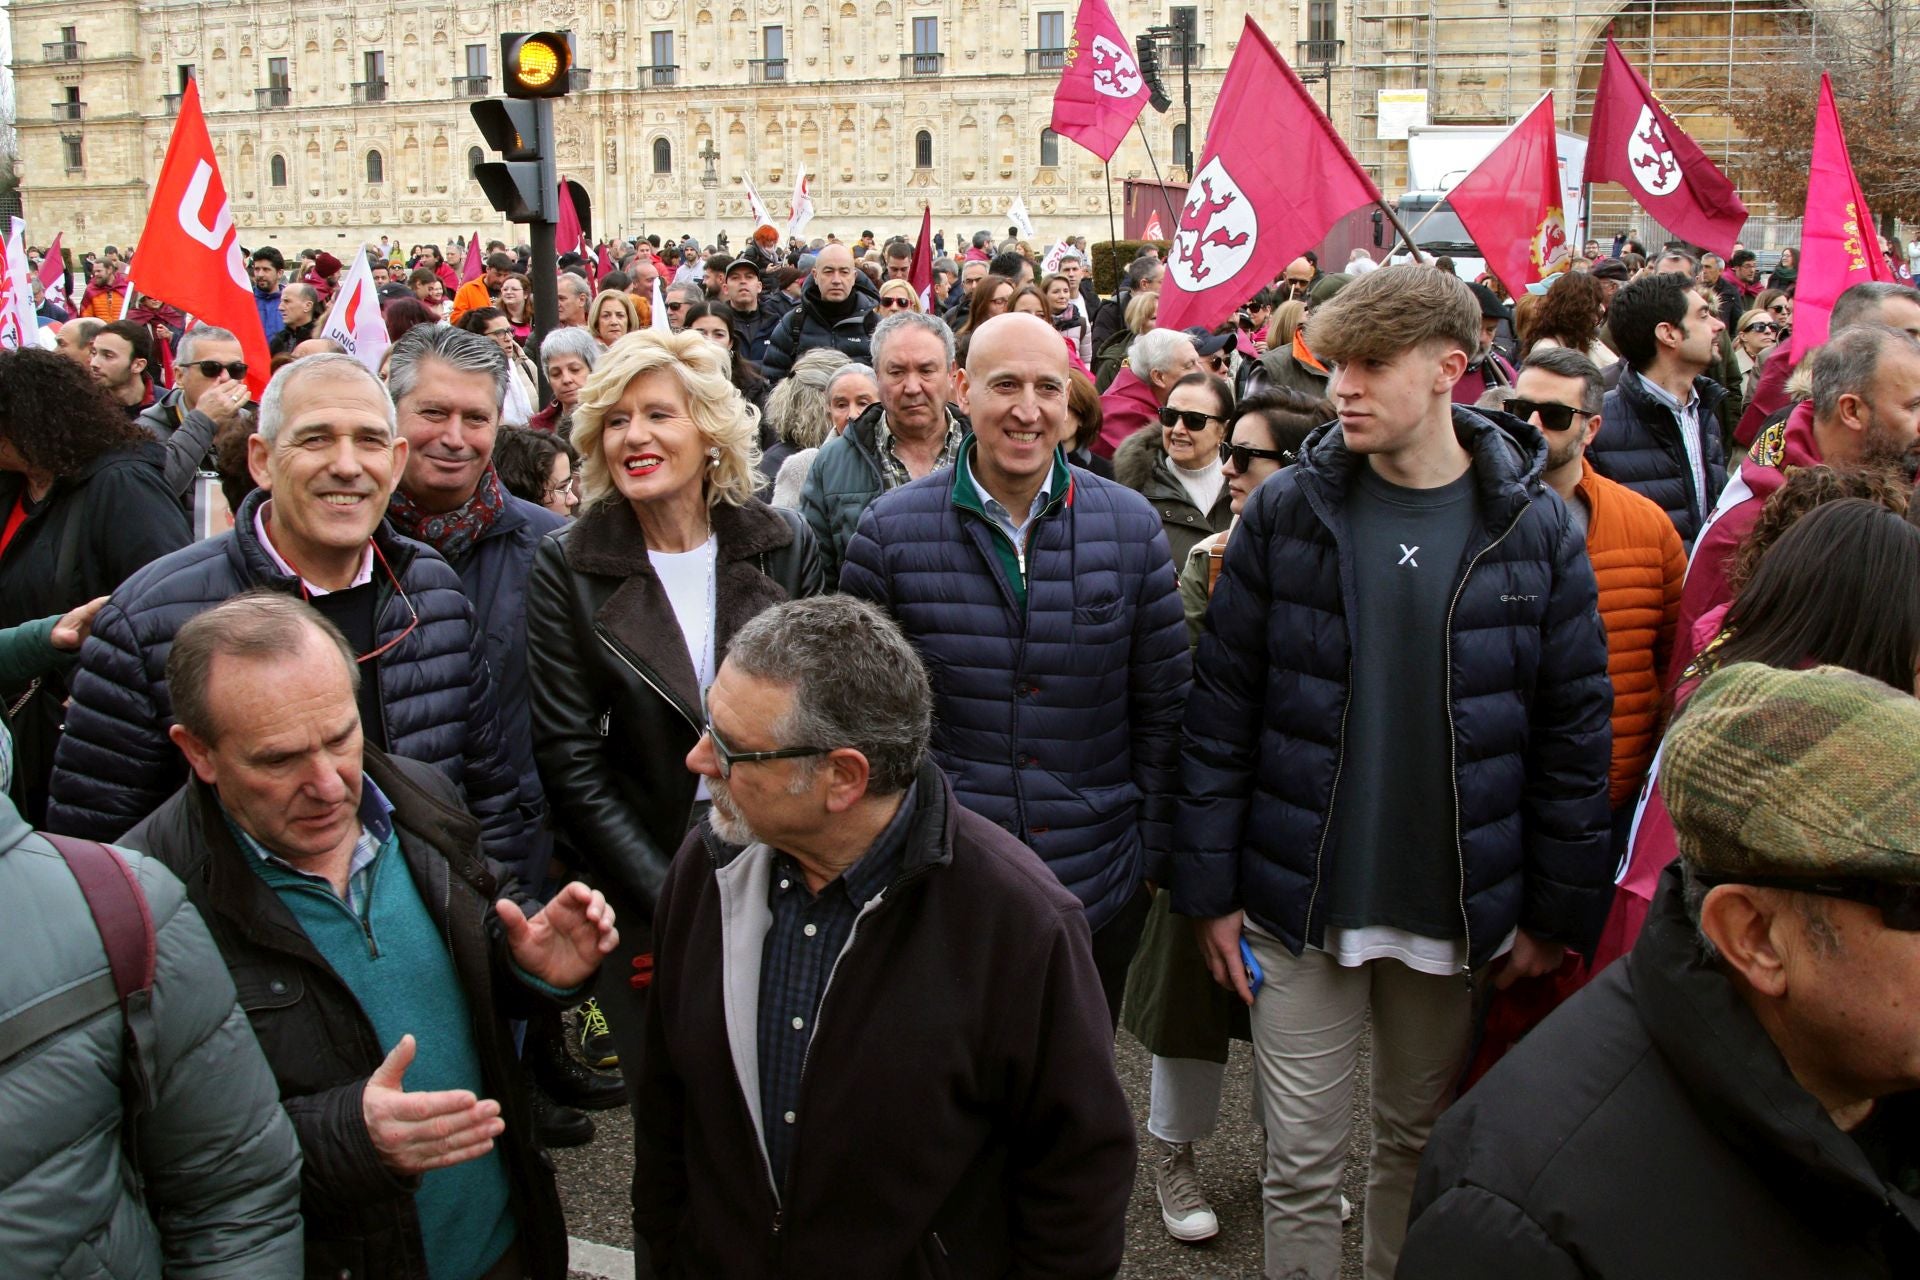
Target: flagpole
point(1405, 235)
point(1113, 236)
point(1173, 215)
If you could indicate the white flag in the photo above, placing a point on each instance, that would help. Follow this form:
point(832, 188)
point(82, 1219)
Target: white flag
point(761, 218)
point(1017, 215)
point(19, 326)
point(659, 321)
point(1051, 263)
point(800, 209)
point(355, 321)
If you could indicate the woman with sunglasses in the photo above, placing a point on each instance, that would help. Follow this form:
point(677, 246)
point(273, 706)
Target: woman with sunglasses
point(629, 613)
point(1756, 331)
point(895, 296)
point(1176, 465)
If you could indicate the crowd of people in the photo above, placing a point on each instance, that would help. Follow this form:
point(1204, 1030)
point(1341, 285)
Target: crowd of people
point(818, 718)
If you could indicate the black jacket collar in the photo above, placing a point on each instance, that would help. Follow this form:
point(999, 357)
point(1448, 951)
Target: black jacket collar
point(930, 831)
point(1508, 458)
point(257, 566)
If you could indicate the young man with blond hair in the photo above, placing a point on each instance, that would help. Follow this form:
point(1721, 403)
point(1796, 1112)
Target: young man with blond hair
point(1395, 756)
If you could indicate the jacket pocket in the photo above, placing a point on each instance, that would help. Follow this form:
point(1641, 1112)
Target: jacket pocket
point(262, 991)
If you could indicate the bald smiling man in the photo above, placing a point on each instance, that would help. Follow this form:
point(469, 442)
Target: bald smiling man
point(1043, 600)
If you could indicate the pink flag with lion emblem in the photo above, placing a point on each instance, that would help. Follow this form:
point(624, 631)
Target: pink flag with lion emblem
point(1101, 91)
point(1248, 212)
point(1634, 142)
point(1510, 203)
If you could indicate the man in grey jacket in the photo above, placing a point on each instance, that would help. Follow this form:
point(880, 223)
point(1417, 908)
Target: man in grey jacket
point(212, 390)
point(214, 1154)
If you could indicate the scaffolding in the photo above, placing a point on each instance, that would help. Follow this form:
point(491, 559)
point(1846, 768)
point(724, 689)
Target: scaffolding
point(1487, 61)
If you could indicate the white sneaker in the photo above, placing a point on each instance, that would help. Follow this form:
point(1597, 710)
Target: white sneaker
point(1183, 1206)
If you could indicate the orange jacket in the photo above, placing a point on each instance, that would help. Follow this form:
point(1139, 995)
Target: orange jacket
point(1639, 565)
point(471, 296)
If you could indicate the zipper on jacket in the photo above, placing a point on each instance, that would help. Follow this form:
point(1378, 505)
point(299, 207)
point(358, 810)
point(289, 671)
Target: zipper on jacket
point(634, 666)
point(1326, 824)
point(1453, 746)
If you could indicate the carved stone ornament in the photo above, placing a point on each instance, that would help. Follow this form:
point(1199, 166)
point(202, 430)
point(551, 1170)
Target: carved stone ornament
point(659, 10)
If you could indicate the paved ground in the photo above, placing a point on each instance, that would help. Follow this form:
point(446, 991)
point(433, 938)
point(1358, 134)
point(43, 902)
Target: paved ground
point(594, 1184)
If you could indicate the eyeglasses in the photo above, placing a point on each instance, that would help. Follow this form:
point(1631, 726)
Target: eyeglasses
point(570, 485)
point(1242, 455)
point(1762, 326)
point(1192, 419)
point(1899, 904)
point(211, 369)
point(1554, 417)
point(902, 303)
point(727, 757)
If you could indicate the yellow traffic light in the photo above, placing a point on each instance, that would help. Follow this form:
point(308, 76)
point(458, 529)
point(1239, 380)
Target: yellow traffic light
point(537, 65)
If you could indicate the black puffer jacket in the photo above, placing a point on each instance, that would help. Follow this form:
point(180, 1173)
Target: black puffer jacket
point(1265, 726)
point(616, 704)
point(1651, 1128)
point(816, 323)
point(83, 540)
point(115, 764)
point(360, 1217)
point(1639, 445)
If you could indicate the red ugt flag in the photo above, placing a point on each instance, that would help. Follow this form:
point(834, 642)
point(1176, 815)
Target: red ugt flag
point(920, 270)
point(1510, 203)
point(189, 253)
point(1839, 240)
point(1634, 142)
point(1101, 92)
point(1248, 211)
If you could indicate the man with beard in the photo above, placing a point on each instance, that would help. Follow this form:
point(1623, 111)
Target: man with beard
point(838, 897)
point(1865, 410)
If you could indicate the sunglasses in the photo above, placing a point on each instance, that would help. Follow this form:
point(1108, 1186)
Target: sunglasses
point(1192, 419)
point(1899, 904)
point(1242, 455)
point(1554, 417)
point(895, 302)
point(1219, 363)
point(1761, 326)
point(211, 369)
point(1779, 309)
point(727, 757)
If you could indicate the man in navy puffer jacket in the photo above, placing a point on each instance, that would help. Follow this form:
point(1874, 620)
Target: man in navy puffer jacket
point(1395, 758)
point(1042, 598)
point(328, 459)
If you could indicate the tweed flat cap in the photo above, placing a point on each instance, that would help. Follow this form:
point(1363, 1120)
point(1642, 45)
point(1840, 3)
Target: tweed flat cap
point(1785, 773)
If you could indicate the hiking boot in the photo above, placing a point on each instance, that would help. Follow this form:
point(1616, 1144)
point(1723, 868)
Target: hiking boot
point(596, 1042)
point(564, 1077)
point(1183, 1206)
point(556, 1126)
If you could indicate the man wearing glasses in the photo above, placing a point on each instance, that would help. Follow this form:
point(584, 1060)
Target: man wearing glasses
point(1736, 1095)
point(212, 373)
point(326, 458)
point(875, 1034)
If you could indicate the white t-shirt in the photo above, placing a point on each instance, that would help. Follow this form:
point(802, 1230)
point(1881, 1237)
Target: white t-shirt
point(688, 577)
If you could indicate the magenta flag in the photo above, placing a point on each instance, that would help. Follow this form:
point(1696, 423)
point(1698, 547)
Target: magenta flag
point(1634, 142)
point(1839, 241)
point(1101, 91)
point(1510, 203)
point(920, 270)
point(1254, 202)
point(472, 267)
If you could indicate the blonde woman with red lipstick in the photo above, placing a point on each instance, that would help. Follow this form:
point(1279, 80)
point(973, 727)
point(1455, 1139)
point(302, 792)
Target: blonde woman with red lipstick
point(630, 611)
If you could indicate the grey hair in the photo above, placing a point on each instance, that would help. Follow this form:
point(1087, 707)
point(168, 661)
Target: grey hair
point(197, 335)
point(1852, 306)
point(691, 290)
point(798, 404)
point(1152, 352)
point(1847, 363)
point(459, 349)
point(571, 340)
point(329, 364)
point(900, 322)
point(1565, 362)
point(857, 682)
point(1693, 264)
point(255, 624)
point(573, 285)
point(1693, 898)
point(1713, 258)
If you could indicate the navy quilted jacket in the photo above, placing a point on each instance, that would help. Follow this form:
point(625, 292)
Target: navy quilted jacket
point(1057, 718)
point(115, 764)
point(1639, 446)
point(1260, 762)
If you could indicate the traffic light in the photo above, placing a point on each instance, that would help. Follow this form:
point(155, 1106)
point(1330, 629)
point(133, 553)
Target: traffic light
point(1149, 57)
point(515, 183)
point(537, 64)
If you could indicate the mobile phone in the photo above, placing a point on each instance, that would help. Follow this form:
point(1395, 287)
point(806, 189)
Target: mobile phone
point(1255, 977)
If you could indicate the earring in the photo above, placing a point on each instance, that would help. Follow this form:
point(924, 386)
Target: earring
point(713, 457)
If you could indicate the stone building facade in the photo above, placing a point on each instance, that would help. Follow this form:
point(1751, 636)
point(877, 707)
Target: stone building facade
point(332, 127)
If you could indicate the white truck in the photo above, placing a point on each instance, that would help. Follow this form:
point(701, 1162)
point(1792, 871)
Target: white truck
point(1438, 157)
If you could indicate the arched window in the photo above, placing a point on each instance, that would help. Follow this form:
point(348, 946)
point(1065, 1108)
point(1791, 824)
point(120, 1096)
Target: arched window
point(923, 150)
point(277, 171)
point(475, 158)
point(1180, 156)
point(662, 156)
point(376, 167)
point(1049, 148)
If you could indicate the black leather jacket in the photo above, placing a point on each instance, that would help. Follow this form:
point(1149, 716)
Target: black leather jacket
point(616, 704)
